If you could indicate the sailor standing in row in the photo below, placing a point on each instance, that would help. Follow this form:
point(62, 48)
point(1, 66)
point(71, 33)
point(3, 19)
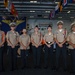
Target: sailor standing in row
point(49, 40)
point(71, 42)
point(12, 39)
point(36, 39)
point(60, 38)
point(24, 40)
point(2, 40)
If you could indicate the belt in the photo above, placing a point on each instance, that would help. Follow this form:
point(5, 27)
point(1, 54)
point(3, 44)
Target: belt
point(60, 42)
point(49, 43)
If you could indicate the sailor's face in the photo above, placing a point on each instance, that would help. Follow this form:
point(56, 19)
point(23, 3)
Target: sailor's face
point(24, 30)
point(36, 29)
point(12, 28)
point(60, 26)
point(73, 28)
point(49, 29)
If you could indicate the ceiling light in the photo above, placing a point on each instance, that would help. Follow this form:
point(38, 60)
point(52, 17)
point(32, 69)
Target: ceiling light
point(47, 11)
point(33, 1)
point(68, 11)
point(32, 11)
point(56, 2)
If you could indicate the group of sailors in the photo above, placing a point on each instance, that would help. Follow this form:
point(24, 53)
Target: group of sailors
point(60, 37)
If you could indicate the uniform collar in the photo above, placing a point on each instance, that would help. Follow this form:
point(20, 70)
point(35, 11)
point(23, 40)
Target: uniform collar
point(60, 30)
point(73, 32)
point(35, 33)
point(12, 31)
point(49, 33)
point(24, 34)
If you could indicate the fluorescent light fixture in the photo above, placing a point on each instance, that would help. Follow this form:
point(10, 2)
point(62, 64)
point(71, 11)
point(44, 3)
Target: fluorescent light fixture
point(47, 11)
point(33, 1)
point(32, 11)
point(68, 11)
point(56, 2)
point(59, 17)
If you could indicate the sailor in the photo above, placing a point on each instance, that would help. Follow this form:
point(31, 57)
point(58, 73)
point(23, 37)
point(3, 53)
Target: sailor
point(36, 39)
point(12, 39)
point(60, 38)
point(49, 41)
point(2, 40)
point(71, 42)
point(24, 40)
